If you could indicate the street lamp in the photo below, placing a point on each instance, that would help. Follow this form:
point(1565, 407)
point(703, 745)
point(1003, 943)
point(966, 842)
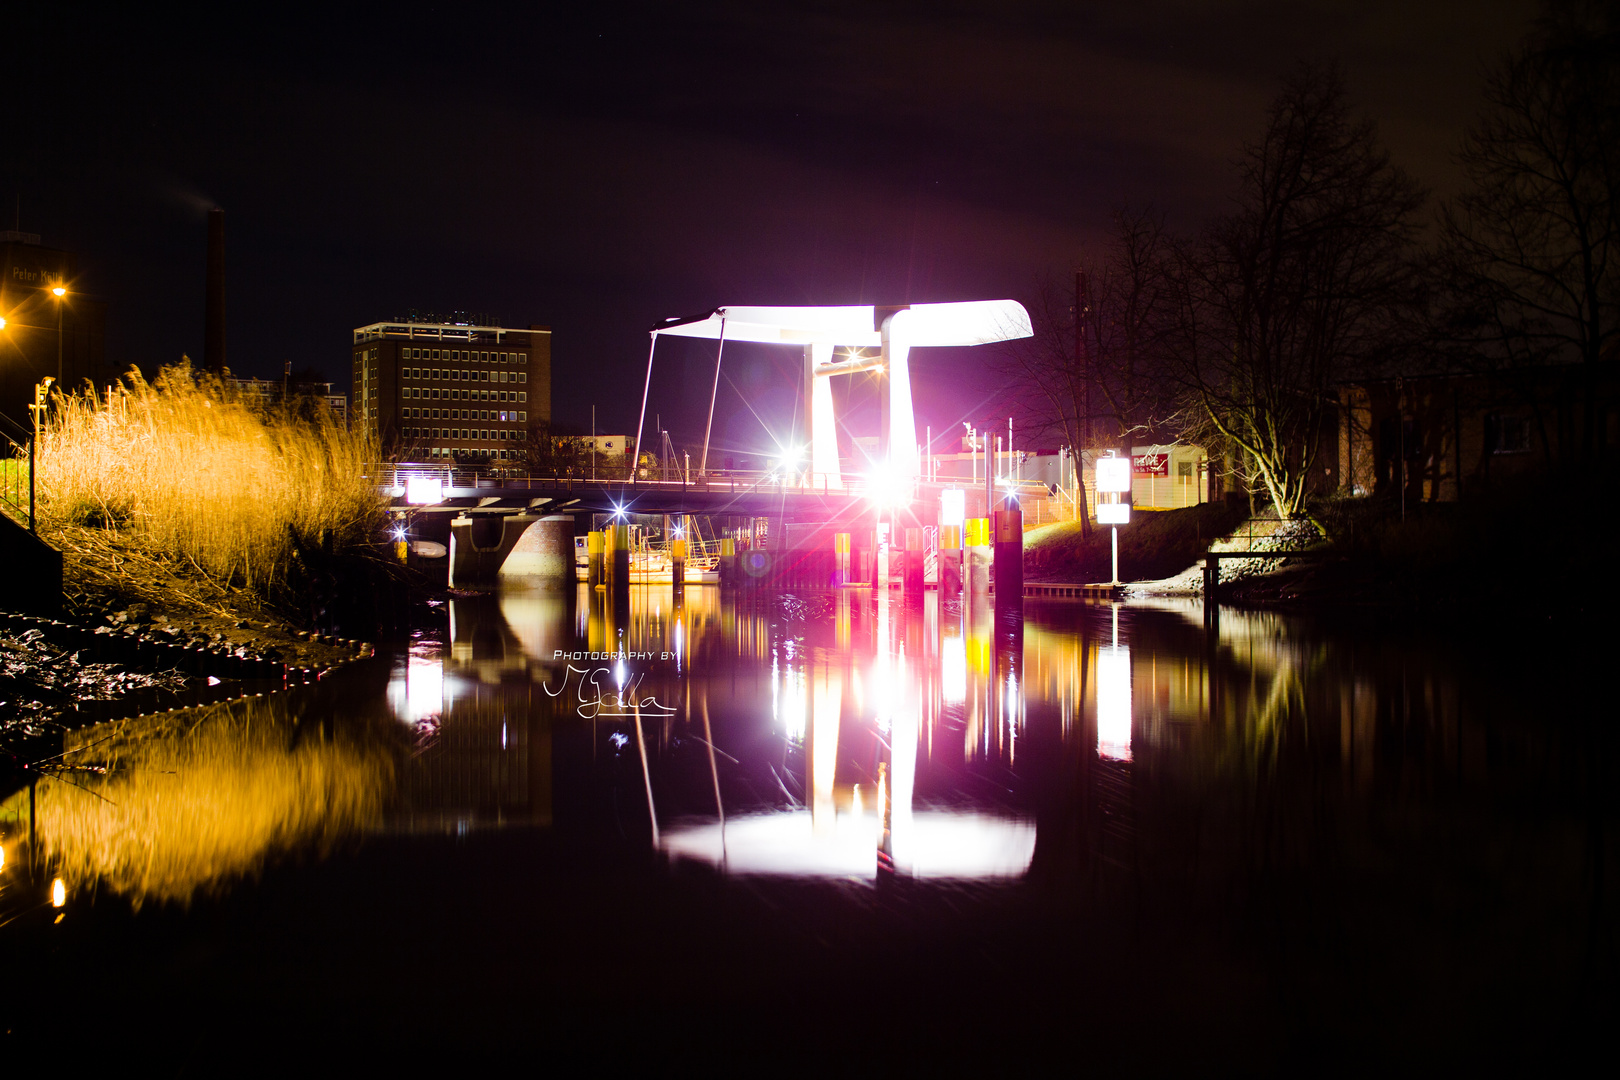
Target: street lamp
point(60, 292)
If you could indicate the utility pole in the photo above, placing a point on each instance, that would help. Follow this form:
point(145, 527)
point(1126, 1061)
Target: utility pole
point(1082, 362)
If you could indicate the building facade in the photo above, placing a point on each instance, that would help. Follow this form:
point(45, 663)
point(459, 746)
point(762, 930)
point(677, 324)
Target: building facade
point(1450, 436)
point(274, 391)
point(45, 335)
point(447, 392)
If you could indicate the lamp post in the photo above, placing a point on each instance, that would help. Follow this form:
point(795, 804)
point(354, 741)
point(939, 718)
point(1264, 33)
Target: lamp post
point(60, 292)
point(41, 390)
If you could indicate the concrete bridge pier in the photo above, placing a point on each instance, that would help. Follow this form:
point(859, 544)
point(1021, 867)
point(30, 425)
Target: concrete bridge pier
point(479, 546)
point(543, 554)
point(487, 550)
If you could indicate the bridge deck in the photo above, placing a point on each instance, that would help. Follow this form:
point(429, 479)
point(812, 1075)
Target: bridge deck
point(742, 493)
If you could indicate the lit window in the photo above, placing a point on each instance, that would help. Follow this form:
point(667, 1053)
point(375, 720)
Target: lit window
point(523, 376)
point(523, 395)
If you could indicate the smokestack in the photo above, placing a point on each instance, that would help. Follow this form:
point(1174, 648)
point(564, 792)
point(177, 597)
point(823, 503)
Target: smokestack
point(214, 316)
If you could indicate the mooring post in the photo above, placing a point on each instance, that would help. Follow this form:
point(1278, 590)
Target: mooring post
point(593, 557)
point(677, 563)
point(1009, 553)
point(728, 561)
point(913, 566)
point(950, 559)
point(978, 555)
point(621, 559)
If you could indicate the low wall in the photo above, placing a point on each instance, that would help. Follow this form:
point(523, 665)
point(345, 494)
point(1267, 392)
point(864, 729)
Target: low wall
point(33, 571)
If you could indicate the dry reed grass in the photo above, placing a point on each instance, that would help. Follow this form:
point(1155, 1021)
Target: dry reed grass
point(187, 471)
point(196, 799)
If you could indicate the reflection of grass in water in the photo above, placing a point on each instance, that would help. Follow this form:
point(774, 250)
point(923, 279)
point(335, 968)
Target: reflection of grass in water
point(194, 799)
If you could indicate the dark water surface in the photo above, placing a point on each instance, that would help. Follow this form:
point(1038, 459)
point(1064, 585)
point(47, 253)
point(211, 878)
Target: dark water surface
point(793, 830)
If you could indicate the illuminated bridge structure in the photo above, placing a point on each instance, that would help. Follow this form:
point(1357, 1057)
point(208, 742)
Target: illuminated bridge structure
point(803, 508)
point(741, 493)
point(892, 331)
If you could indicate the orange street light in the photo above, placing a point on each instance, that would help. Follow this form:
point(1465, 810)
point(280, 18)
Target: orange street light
point(60, 292)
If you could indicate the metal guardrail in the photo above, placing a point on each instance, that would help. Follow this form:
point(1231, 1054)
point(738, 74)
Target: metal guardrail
point(16, 471)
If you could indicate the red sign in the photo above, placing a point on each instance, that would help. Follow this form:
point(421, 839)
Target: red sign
point(1150, 464)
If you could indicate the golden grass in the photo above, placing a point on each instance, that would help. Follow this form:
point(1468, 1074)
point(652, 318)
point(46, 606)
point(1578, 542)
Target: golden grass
point(194, 800)
point(187, 470)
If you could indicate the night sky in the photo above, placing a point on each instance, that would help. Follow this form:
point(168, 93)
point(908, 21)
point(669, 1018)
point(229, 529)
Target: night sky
point(599, 168)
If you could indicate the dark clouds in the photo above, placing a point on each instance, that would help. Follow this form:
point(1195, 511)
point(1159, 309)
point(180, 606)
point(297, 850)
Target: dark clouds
point(602, 167)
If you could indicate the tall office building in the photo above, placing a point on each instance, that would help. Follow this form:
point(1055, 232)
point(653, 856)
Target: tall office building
point(450, 391)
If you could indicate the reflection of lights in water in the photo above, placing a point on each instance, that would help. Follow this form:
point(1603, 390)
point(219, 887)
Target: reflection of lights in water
point(789, 703)
point(680, 643)
point(503, 734)
point(619, 673)
point(423, 689)
point(1011, 710)
point(824, 719)
point(953, 670)
point(2, 856)
point(58, 893)
point(1114, 702)
point(942, 844)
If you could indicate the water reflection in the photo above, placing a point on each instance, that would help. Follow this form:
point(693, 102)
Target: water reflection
point(165, 807)
point(847, 734)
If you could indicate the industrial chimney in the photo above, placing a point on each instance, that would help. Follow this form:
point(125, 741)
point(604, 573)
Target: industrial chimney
point(214, 316)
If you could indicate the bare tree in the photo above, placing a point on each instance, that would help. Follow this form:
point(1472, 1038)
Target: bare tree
point(1094, 371)
point(1531, 249)
point(1131, 311)
point(1300, 287)
point(1046, 378)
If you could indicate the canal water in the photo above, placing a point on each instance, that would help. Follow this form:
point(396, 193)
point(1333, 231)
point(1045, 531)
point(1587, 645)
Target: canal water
point(794, 829)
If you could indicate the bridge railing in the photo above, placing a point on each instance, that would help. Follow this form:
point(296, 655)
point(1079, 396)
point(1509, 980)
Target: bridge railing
point(394, 475)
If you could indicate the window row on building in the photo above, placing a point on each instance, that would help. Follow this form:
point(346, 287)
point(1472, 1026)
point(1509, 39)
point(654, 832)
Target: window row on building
point(508, 417)
point(468, 434)
point(461, 453)
point(464, 356)
point(434, 393)
point(461, 375)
